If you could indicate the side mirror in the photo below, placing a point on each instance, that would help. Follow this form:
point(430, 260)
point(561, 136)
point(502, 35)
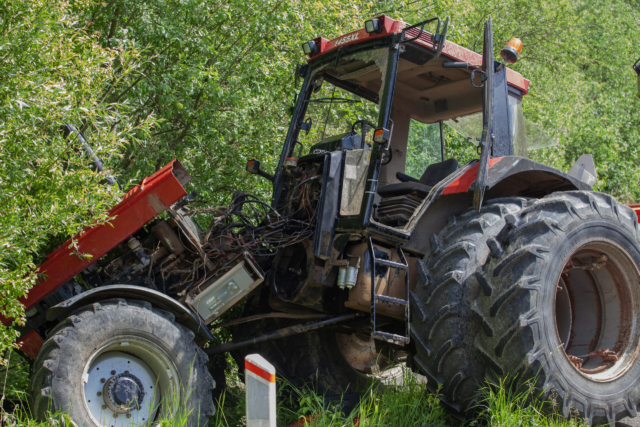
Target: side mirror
point(253, 167)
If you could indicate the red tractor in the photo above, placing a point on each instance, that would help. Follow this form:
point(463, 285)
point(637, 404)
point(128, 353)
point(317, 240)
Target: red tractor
point(375, 248)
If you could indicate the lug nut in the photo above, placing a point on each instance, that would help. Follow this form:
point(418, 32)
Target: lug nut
point(99, 393)
point(128, 415)
point(102, 380)
point(113, 372)
point(126, 372)
point(104, 406)
point(115, 415)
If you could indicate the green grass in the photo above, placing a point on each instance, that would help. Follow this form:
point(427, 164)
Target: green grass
point(503, 407)
point(389, 406)
point(406, 405)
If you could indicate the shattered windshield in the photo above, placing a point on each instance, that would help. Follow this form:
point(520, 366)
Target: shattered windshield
point(344, 92)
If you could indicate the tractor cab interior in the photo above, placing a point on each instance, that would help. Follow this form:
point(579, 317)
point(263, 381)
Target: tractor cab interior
point(425, 95)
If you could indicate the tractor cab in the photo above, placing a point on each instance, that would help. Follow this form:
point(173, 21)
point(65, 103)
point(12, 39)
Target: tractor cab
point(372, 109)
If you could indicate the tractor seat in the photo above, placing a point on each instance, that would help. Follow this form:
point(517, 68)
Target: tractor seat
point(420, 187)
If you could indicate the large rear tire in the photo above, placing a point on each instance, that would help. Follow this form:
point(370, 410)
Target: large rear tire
point(441, 325)
point(562, 284)
point(120, 362)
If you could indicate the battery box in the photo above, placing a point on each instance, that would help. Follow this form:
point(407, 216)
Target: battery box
point(217, 295)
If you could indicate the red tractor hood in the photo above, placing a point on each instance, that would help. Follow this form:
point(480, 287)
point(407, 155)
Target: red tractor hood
point(140, 205)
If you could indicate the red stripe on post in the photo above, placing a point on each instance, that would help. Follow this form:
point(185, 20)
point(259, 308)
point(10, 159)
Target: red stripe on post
point(259, 371)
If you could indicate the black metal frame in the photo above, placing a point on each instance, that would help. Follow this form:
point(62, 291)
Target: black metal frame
point(302, 104)
point(487, 115)
point(282, 333)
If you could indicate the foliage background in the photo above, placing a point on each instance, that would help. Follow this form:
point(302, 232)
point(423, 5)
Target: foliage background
point(209, 82)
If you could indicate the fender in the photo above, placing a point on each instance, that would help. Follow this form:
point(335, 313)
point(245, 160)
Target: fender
point(184, 316)
point(516, 176)
point(507, 176)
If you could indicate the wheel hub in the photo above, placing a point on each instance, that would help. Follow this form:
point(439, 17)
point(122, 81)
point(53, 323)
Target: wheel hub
point(123, 392)
point(593, 311)
point(121, 389)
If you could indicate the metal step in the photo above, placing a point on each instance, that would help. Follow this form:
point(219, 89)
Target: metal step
point(403, 265)
point(390, 337)
point(391, 299)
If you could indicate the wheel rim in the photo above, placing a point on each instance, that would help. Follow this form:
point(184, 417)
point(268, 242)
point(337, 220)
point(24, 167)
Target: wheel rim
point(594, 313)
point(127, 382)
point(360, 352)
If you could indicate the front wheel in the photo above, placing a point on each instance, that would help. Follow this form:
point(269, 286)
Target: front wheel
point(561, 304)
point(118, 363)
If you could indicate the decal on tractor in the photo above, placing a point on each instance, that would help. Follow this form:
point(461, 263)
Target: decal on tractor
point(347, 39)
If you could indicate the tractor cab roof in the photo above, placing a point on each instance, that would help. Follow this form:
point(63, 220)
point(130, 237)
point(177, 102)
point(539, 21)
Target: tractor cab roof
point(424, 88)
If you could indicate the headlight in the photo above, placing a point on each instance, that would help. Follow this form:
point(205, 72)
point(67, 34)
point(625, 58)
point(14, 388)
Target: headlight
point(310, 47)
point(373, 26)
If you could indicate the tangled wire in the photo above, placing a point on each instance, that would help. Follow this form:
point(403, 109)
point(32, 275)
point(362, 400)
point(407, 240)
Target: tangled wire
point(249, 224)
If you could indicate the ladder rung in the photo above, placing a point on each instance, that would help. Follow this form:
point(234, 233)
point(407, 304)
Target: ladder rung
point(391, 299)
point(389, 336)
point(390, 263)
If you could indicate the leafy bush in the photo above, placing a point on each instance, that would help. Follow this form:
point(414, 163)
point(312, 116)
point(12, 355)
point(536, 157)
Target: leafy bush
point(52, 71)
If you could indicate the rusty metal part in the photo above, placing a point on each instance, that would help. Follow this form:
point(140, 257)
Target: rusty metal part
point(360, 351)
point(270, 316)
point(168, 267)
point(168, 236)
point(596, 264)
point(388, 281)
point(595, 323)
point(280, 333)
point(609, 357)
point(575, 360)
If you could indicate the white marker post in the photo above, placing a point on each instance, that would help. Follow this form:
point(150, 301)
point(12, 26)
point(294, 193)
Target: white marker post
point(260, 381)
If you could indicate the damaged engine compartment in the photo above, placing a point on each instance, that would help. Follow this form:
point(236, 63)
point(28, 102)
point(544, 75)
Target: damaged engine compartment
point(250, 246)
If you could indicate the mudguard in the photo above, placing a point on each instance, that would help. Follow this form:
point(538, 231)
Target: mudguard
point(184, 316)
point(507, 176)
point(516, 176)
